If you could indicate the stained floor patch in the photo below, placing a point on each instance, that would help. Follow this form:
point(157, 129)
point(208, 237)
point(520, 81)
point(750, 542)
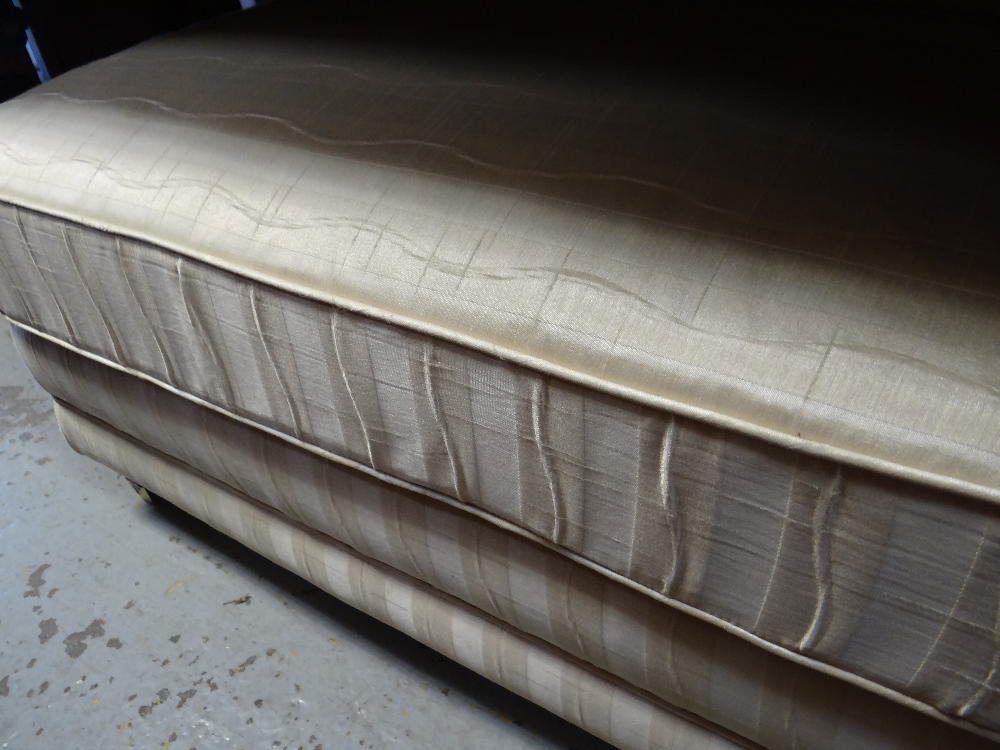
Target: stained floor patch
point(19, 408)
point(76, 642)
point(48, 629)
point(36, 581)
point(243, 666)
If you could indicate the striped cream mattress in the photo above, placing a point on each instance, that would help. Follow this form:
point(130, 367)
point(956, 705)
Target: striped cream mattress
point(677, 414)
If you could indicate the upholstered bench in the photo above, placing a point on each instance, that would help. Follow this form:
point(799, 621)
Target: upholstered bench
point(672, 412)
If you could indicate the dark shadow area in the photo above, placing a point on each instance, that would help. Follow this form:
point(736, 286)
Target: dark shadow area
point(439, 669)
point(71, 33)
point(903, 61)
point(863, 134)
point(17, 72)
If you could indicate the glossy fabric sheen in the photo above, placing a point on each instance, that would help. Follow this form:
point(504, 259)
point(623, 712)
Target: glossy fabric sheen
point(614, 627)
point(885, 579)
point(542, 674)
point(673, 660)
point(781, 268)
point(744, 360)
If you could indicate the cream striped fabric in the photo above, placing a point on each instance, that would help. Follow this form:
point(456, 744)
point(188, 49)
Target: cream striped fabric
point(881, 578)
point(677, 658)
point(778, 268)
point(741, 359)
point(601, 705)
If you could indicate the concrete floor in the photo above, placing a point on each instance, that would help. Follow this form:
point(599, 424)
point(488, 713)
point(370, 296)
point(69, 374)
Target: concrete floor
point(127, 625)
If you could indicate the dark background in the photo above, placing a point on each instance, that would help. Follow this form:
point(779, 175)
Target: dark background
point(70, 33)
point(909, 60)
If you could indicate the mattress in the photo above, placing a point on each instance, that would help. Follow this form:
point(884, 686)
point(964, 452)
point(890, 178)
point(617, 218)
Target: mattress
point(738, 360)
point(566, 688)
point(520, 613)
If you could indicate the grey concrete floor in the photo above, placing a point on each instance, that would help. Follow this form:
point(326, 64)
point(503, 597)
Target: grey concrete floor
point(128, 625)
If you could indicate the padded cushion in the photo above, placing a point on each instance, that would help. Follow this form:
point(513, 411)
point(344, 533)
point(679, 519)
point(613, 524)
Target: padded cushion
point(872, 576)
point(741, 358)
point(524, 665)
point(220, 469)
point(780, 272)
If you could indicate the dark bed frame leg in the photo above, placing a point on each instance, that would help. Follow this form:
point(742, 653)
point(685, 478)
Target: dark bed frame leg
point(150, 497)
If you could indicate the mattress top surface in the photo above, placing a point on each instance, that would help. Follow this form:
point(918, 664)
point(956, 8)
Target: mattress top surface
point(788, 270)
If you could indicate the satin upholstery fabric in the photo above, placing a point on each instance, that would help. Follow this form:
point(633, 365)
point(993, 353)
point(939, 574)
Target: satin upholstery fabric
point(608, 650)
point(737, 358)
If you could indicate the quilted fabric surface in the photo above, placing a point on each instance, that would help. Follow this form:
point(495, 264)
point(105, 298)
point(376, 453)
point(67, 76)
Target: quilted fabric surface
point(739, 357)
